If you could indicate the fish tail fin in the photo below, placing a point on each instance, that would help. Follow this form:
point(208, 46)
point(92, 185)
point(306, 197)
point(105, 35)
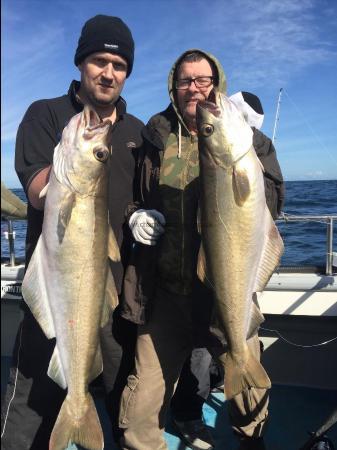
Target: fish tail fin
point(86, 431)
point(239, 377)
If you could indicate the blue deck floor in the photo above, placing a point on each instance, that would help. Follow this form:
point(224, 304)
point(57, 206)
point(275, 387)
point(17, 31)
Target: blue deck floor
point(293, 412)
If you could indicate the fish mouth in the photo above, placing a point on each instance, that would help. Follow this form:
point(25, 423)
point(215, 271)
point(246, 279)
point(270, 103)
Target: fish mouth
point(210, 104)
point(105, 123)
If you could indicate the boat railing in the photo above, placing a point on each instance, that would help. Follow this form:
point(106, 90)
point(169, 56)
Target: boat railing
point(329, 221)
point(284, 217)
point(10, 236)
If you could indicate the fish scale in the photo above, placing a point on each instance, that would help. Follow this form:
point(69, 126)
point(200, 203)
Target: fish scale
point(241, 246)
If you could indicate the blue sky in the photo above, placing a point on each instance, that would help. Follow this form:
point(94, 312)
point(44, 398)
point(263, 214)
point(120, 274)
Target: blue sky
point(263, 46)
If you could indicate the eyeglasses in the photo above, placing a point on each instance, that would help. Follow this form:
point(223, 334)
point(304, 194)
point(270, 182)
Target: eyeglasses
point(200, 82)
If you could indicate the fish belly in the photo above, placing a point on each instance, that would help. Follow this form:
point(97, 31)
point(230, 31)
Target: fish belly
point(233, 239)
point(69, 269)
point(79, 273)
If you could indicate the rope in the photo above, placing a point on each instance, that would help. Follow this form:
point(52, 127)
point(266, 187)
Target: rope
point(15, 385)
point(298, 345)
point(319, 142)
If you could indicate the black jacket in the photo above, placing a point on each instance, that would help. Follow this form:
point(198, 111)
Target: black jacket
point(39, 133)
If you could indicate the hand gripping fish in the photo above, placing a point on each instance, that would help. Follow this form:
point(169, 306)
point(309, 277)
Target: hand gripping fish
point(241, 245)
point(68, 284)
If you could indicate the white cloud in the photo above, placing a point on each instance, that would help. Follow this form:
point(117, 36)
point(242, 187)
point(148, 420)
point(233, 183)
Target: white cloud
point(271, 40)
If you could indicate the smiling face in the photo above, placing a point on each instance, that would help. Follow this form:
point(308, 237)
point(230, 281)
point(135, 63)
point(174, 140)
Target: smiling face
point(187, 99)
point(102, 79)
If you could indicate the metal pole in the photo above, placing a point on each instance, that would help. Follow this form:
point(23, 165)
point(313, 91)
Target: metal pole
point(11, 237)
point(329, 242)
point(277, 115)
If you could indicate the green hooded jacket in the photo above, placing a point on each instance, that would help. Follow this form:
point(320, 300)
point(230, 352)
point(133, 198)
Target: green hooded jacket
point(179, 193)
point(167, 180)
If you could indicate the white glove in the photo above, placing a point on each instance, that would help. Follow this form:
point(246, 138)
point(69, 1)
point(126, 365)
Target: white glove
point(147, 225)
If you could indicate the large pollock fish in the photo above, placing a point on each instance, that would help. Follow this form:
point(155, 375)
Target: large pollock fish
point(241, 245)
point(68, 284)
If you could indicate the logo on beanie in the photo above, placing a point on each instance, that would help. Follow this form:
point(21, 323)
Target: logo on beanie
point(111, 46)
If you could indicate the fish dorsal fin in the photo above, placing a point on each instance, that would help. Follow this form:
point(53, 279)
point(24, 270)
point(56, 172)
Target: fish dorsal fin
point(35, 292)
point(113, 249)
point(241, 185)
point(271, 253)
point(66, 208)
point(55, 369)
point(202, 268)
point(44, 191)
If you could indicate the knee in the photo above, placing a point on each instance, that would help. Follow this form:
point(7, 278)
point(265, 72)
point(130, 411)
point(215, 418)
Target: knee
point(128, 402)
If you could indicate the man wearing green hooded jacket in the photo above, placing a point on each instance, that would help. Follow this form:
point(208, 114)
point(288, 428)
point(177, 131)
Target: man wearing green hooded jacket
point(161, 290)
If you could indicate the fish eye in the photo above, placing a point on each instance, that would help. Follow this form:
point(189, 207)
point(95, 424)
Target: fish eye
point(207, 129)
point(101, 154)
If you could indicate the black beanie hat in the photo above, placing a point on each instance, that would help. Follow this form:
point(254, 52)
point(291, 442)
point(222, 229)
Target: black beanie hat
point(106, 34)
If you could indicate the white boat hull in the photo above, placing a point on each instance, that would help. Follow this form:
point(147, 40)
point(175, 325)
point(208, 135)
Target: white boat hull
point(301, 307)
point(301, 314)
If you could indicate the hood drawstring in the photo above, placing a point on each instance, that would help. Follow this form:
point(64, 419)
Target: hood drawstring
point(179, 140)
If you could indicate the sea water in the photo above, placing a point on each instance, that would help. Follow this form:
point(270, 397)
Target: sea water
point(305, 242)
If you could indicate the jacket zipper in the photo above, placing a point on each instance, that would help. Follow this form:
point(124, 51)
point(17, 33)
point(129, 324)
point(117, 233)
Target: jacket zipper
point(184, 183)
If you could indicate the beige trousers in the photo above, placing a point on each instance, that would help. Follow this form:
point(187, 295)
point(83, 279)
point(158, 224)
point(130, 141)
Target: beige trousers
point(163, 345)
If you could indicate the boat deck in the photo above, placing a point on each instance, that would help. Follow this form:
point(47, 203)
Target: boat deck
point(294, 411)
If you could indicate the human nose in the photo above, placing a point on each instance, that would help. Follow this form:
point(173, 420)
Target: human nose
point(108, 71)
point(193, 87)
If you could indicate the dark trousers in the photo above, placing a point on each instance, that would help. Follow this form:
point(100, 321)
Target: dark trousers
point(193, 386)
point(33, 400)
point(118, 344)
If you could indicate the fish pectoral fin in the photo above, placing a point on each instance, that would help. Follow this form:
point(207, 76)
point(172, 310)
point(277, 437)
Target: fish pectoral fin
point(239, 377)
point(35, 293)
point(66, 208)
point(271, 254)
point(113, 249)
point(202, 269)
point(241, 185)
point(55, 369)
point(86, 432)
point(44, 191)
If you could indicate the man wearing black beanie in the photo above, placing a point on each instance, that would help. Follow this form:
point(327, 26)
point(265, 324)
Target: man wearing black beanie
point(104, 57)
point(108, 34)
